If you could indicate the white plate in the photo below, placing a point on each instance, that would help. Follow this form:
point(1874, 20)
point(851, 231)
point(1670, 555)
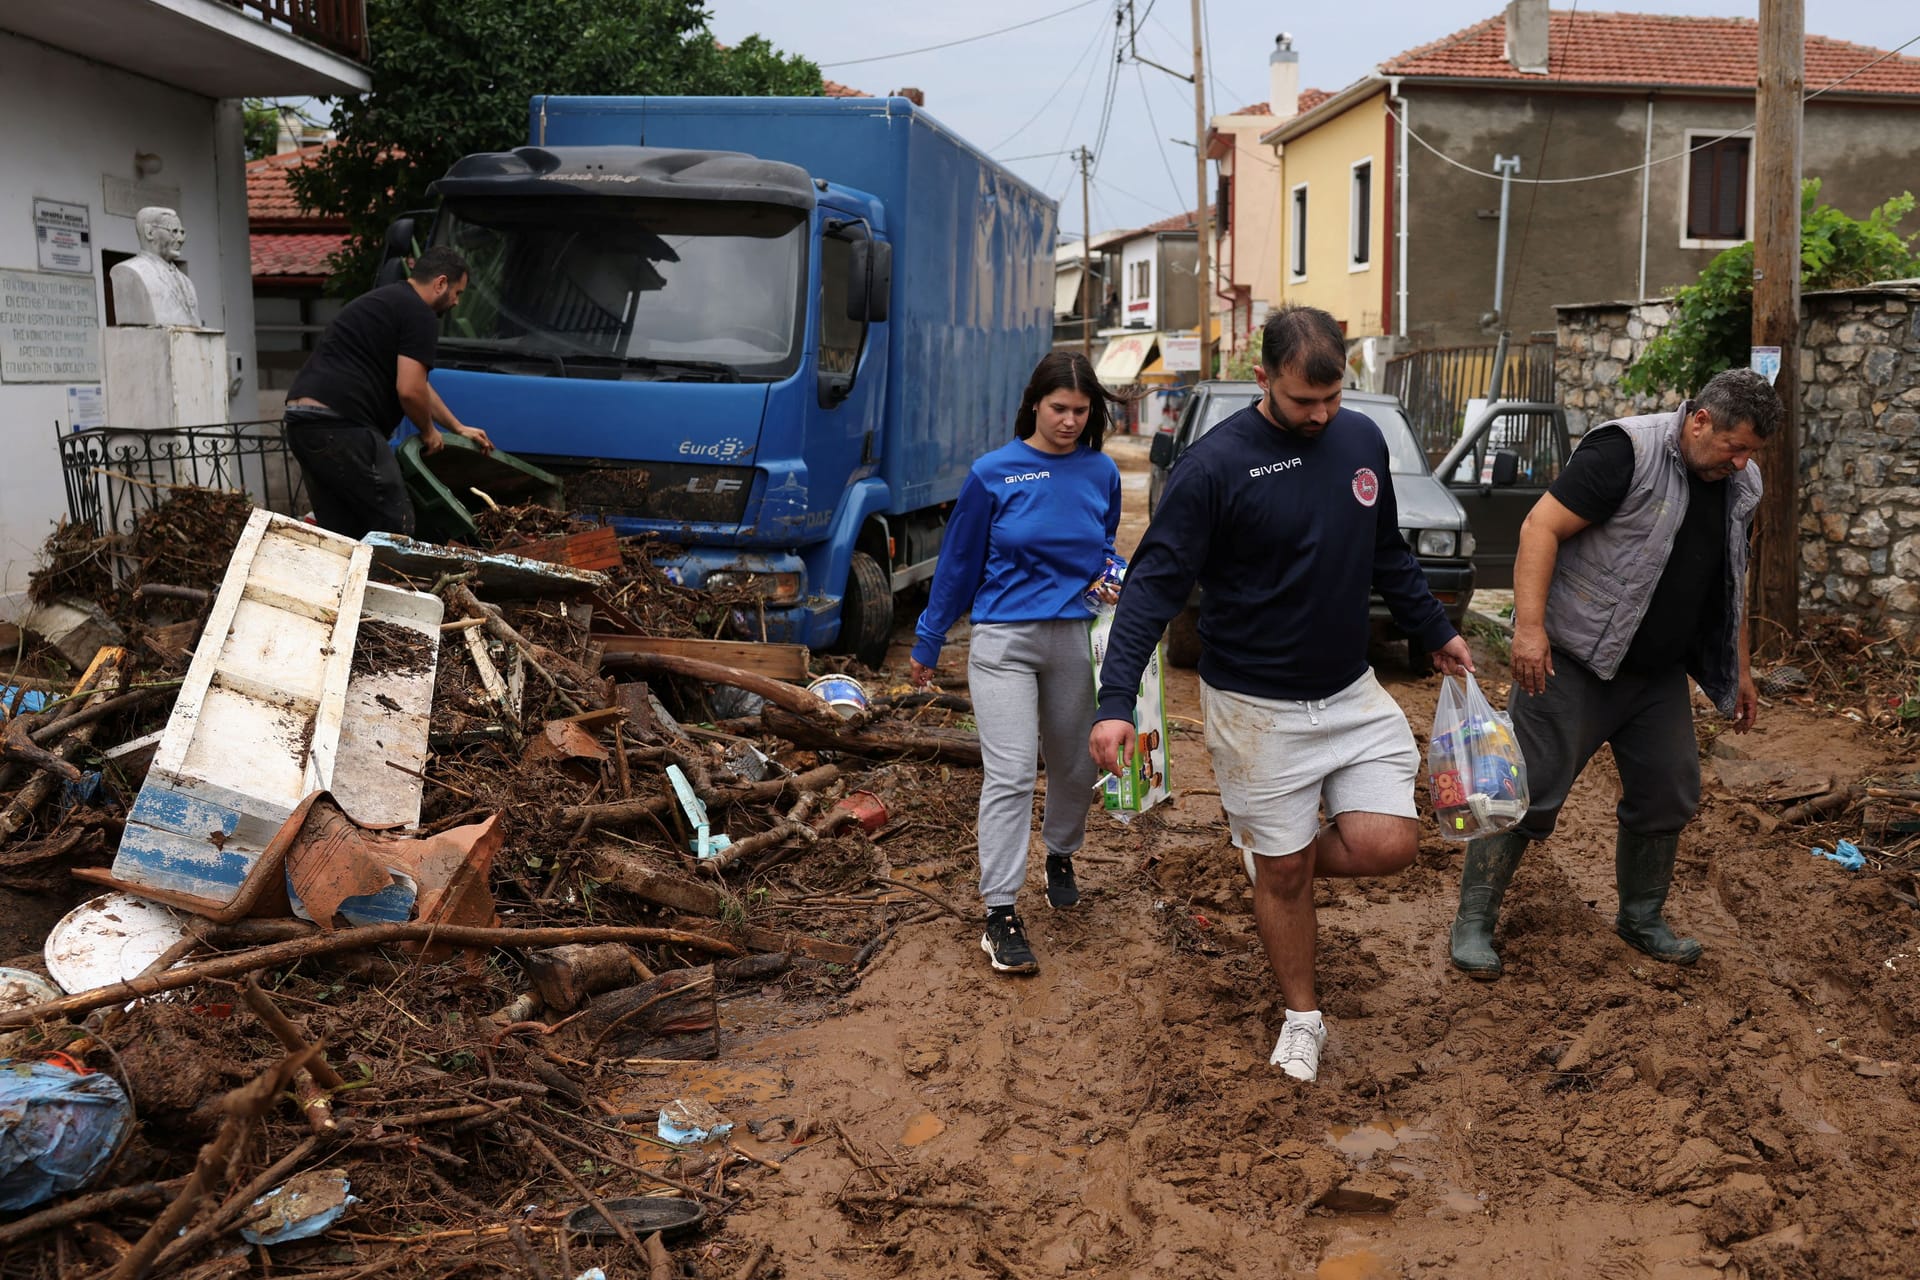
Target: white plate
point(110, 939)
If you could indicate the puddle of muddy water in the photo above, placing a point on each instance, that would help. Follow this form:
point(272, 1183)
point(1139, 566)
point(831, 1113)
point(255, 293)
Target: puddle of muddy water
point(1369, 1139)
point(923, 1128)
point(1362, 1264)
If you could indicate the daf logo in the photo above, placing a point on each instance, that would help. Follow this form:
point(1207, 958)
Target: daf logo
point(707, 485)
point(1031, 475)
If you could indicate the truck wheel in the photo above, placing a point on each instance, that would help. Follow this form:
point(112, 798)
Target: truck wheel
point(1183, 640)
point(866, 612)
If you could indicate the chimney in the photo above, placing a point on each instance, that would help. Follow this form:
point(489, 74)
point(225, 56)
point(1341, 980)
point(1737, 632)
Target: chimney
point(1283, 78)
point(1527, 35)
point(915, 96)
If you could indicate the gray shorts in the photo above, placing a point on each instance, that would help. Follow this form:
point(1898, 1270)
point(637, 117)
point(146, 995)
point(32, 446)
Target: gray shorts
point(1277, 761)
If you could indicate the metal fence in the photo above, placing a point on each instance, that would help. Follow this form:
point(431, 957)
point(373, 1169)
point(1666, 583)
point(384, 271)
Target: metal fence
point(1435, 385)
point(114, 474)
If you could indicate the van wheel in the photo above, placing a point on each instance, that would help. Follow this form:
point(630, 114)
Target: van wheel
point(1183, 640)
point(866, 612)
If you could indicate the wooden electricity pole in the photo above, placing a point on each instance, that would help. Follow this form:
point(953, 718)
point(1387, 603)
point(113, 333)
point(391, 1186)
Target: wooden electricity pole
point(1203, 224)
point(1775, 594)
point(1086, 254)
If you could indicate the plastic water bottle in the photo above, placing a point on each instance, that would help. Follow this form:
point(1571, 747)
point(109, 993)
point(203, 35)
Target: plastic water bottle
point(1110, 576)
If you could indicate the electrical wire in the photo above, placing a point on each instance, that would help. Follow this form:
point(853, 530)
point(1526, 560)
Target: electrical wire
point(1072, 120)
point(949, 44)
point(1113, 85)
point(1037, 155)
point(1539, 164)
point(1057, 91)
point(1616, 173)
point(1159, 142)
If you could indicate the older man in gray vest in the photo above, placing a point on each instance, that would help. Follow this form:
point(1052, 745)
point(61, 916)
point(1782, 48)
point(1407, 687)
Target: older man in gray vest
point(1631, 577)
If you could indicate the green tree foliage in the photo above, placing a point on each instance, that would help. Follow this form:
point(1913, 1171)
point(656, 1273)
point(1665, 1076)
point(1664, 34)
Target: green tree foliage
point(452, 77)
point(1712, 327)
point(260, 125)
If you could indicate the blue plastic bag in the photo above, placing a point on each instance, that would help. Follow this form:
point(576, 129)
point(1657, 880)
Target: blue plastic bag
point(58, 1130)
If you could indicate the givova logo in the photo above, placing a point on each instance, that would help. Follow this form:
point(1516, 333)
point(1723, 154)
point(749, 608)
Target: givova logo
point(1273, 467)
point(1030, 475)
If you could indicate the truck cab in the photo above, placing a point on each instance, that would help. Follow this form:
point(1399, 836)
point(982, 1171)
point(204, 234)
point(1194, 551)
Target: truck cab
point(690, 311)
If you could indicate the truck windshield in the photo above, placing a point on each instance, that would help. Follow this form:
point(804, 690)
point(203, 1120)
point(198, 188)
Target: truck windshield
point(657, 289)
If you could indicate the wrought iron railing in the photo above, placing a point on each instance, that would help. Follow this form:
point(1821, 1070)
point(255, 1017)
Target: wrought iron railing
point(1435, 385)
point(340, 25)
point(114, 474)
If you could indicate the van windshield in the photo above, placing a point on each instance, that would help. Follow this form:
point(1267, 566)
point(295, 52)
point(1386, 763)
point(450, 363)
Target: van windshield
point(609, 286)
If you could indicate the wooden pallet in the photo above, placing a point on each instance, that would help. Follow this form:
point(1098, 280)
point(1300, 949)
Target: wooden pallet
point(257, 726)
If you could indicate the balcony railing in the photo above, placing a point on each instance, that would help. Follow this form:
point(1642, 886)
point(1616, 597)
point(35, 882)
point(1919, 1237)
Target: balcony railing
point(340, 25)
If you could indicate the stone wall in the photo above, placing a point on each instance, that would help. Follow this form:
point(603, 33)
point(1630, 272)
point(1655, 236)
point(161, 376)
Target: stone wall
point(1859, 427)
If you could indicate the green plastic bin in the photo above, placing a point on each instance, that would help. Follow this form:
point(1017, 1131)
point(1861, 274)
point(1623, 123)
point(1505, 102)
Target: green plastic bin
point(442, 485)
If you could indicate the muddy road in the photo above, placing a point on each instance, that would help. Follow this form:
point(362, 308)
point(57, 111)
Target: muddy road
point(1591, 1114)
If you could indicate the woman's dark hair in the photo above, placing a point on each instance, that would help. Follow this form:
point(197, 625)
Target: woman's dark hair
point(1066, 371)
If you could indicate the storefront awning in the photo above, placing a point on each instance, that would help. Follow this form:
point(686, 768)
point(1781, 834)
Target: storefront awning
point(1066, 289)
point(1120, 362)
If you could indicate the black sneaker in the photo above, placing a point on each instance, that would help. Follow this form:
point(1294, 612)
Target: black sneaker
point(1005, 942)
point(1062, 891)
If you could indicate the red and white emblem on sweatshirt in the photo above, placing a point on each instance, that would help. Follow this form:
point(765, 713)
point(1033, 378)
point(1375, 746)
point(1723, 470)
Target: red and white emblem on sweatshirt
point(1366, 487)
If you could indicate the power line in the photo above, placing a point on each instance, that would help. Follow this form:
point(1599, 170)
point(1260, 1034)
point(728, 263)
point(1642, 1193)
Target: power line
point(1074, 118)
point(1158, 143)
point(1616, 173)
point(1113, 84)
point(1058, 89)
point(1037, 155)
point(949, 44)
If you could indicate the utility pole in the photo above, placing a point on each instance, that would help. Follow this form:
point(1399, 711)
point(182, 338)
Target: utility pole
point(1203, 224)
point(1775, 593)
point(1086, 254)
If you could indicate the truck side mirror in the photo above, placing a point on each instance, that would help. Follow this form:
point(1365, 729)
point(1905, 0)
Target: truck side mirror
point(869, 281)
point(1160, 453)
point(1506, 468)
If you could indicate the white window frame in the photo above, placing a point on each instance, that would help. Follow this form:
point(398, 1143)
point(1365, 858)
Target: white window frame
point(1359, 230)
point(1694, 137)
point(1298, 210)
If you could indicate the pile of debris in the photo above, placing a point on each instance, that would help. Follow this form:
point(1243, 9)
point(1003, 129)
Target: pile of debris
point(383, 864)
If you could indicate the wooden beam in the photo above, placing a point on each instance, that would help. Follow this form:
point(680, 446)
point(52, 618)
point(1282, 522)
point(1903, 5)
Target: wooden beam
point(1775, 589)
point(774, 661)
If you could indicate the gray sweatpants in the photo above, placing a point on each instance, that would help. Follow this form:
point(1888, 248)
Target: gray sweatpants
point(1032, 686)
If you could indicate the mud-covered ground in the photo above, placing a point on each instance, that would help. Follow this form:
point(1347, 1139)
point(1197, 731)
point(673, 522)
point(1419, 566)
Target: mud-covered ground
point(1591, 1114)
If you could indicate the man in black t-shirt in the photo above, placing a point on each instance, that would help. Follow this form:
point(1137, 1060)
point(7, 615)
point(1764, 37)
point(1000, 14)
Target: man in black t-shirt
point(371, 365)
point(1631, 577)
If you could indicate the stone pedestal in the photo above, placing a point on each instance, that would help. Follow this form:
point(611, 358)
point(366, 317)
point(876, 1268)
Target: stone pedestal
point(165, 376)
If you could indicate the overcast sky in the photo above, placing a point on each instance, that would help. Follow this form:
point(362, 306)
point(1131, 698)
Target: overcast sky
point(1040, 89)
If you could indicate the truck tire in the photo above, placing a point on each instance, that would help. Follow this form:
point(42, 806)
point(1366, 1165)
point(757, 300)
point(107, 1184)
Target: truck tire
point(866, 612)
point(1183, 640)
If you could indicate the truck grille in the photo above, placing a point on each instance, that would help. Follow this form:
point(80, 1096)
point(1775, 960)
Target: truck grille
point(665, 491)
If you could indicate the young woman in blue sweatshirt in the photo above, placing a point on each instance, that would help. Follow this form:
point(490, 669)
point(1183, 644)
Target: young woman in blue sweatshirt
point(1030, 534)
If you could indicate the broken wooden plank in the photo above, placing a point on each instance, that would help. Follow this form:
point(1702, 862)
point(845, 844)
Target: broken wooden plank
point(503, 576)
point(774, 661)
point(881, 738)
point(592, 549)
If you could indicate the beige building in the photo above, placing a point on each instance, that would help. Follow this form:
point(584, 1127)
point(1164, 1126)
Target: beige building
point(1246, 236)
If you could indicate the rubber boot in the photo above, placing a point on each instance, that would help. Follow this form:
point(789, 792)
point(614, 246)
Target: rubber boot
point(1643, 866)
point(1489, 865)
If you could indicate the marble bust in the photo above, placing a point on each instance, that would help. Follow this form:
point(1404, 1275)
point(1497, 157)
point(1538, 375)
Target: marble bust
point(150, 288)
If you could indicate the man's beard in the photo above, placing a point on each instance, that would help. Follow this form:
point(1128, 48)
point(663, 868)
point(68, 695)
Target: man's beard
point(1305, 430)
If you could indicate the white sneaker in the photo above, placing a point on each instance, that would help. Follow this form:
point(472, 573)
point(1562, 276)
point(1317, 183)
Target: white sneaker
point(1298, 1050)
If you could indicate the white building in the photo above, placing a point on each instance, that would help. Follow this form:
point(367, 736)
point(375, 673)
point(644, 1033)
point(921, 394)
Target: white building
point(112, 105)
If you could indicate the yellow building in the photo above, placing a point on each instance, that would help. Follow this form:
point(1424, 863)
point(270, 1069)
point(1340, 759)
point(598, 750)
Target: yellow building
point(1336, 225)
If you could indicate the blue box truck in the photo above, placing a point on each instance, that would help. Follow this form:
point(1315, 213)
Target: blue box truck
point(774, 332)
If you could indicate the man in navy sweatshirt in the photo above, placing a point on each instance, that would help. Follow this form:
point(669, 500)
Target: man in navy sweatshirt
point(1285, 515)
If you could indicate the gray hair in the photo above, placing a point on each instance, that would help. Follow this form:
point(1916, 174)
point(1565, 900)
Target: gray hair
point(1734, 396)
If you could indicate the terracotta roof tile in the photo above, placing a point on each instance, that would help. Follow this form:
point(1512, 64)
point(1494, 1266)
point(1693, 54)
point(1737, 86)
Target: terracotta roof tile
point(834, 89)
point(293, 253)
point(270, 197)
point(1308, 100)
point(1645, 48)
